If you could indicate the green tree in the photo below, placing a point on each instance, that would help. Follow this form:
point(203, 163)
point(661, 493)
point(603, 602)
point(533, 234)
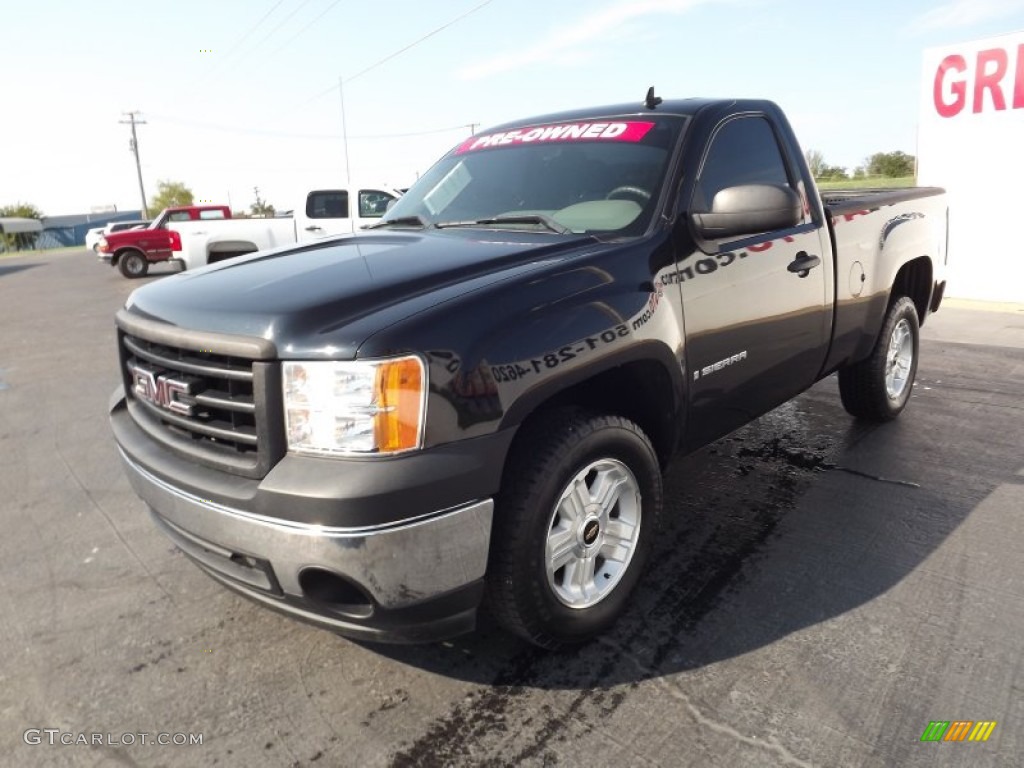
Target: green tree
point(21, 211)
point(18, 240)
point(815, 162)
point(832, 173)
point(261, 207)
point(821, 170)
point(169, 193)
point(890, 164)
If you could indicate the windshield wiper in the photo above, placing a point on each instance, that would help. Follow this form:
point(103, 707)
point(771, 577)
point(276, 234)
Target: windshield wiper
point(526, 218)
point(402, 221)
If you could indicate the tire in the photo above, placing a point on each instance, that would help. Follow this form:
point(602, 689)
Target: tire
point(133, 264)
point(878, 388)
point(560, 574)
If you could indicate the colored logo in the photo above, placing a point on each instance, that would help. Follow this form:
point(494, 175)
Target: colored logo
point(958, 730)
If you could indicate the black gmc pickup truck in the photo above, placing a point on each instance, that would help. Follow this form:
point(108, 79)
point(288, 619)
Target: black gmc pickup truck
point(473, 403)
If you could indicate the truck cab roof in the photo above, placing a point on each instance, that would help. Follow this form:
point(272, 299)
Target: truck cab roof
point(688, 107)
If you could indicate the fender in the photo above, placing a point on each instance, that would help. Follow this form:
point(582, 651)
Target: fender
point(652, 351)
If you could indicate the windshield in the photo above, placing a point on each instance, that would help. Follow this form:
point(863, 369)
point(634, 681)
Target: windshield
point(592, 176)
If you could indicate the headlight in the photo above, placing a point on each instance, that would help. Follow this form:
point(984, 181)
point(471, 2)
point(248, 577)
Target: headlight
point(359, 407)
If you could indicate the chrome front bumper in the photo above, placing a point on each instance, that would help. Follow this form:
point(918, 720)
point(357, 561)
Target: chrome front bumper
point(397, 566)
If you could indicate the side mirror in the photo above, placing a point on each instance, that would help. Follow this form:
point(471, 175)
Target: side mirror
point(749, 209)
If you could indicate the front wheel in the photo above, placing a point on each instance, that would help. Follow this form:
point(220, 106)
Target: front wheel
point(133, 264)
point(878, 388)
point(573, 527)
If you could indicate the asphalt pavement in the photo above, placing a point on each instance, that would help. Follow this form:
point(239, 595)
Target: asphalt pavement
point(821, 592)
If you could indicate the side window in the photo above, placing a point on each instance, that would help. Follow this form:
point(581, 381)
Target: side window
point(743, 151)
point(179, 216)
point(327, 204)
point(373, 203)
point(216, 214)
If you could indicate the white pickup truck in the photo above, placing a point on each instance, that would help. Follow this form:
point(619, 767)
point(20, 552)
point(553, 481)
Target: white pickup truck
point(325, 212)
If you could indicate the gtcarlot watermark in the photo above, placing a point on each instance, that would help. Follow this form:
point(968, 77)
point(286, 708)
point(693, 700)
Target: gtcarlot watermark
point(57, 737)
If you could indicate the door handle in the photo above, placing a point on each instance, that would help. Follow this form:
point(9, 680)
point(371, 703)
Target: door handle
point(803, 264)
point(314, 228)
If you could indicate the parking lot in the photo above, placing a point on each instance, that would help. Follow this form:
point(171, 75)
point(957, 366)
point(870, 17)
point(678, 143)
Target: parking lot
point(822, 590)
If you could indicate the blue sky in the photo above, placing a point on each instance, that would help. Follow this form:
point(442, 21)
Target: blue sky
point(237, 93)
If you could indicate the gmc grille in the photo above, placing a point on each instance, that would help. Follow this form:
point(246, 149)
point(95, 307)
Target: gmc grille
point(215, 408)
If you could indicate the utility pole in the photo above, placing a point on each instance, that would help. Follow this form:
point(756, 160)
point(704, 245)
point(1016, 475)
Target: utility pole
point(134, 148)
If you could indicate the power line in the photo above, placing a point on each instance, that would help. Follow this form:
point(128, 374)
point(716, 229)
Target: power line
point(134, 146)
point(389, 57)
point(284, 21)
point(252, 29)
point(270, 34)
point(240, 130)
point(223, 60)
point(319, 95)
point(342, 81)
point(313, 136)
point(413, 44)
point(310, 24)
point(416, 133)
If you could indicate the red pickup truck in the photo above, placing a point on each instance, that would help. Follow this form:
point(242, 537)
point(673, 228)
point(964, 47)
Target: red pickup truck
point(132, 251)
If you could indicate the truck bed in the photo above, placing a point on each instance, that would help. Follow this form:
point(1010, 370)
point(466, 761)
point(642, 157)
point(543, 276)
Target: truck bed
point(844, 201)
point(870, 245)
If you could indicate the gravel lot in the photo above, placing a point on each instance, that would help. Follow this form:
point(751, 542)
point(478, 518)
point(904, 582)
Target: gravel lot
point(822, 591)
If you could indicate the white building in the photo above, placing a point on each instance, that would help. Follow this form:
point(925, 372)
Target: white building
point(971, 132)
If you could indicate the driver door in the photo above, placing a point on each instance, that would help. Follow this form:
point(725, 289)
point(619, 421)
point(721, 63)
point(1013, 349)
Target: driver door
point(756, 332)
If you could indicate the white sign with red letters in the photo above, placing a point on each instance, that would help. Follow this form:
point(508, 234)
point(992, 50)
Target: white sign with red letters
point(971, 127)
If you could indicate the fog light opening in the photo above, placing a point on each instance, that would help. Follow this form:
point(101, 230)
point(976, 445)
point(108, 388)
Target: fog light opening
point(334, 592)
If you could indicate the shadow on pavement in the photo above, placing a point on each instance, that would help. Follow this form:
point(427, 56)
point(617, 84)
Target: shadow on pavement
point(796, 519)
point(10, 269)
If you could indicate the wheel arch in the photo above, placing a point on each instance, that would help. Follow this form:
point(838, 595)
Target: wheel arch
point(915, 280)
point(220, 250)
point(643, 384)
point(115, 257)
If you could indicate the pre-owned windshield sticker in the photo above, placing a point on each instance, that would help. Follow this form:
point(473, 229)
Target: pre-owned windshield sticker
point(623, 130)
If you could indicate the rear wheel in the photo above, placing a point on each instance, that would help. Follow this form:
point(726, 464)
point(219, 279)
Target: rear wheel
point(574, 525)
point(878, 388)
point(133, 264)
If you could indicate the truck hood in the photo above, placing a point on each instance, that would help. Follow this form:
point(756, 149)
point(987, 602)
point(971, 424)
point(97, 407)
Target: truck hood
point(324, 299)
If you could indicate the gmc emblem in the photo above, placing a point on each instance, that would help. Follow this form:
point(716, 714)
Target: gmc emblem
point(160, 390)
